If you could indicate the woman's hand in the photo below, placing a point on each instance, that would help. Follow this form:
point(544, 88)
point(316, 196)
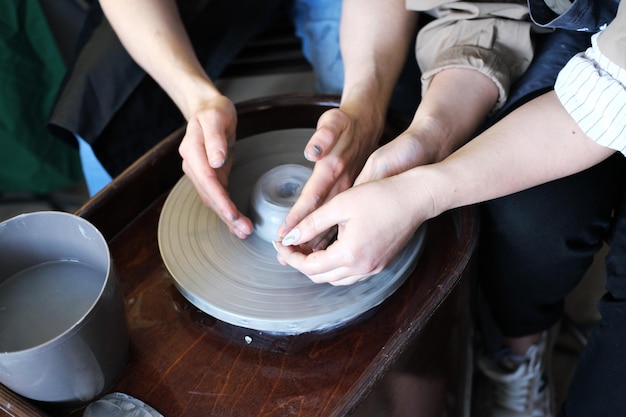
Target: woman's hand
point(375, 221)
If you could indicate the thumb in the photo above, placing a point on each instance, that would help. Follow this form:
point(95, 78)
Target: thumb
point(330, 126)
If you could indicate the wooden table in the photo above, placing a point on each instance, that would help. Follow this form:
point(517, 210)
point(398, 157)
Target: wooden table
point(186, 363)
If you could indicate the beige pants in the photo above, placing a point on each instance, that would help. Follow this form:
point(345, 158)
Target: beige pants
point(493, 38)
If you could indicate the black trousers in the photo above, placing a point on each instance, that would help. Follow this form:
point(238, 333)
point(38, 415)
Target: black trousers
point(536, 246)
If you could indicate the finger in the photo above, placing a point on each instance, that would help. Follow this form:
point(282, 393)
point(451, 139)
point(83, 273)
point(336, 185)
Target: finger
point(340, 276)
point(401, 154)
point(350, 280)
point(329, 128)
point(320, 143)
point(204, 177)
point(313, 263)
point(370, 172)
point(241, 227)
point(322, 241)
point(312, 196)
point(209, 182)
point(321, 266)
point(217, 137)
point(379, 163)
point(213, 195)
point(195, 163)
point(314, 224)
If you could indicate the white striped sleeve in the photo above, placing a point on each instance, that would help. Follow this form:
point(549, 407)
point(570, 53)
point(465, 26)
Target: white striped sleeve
point(592, 89)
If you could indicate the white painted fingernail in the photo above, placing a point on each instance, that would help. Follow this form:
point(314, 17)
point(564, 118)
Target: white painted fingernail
point(291, 237)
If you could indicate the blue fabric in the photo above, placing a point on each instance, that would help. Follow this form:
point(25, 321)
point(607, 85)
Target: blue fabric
point(317, 25)
point(95, 175)
point(583, 15)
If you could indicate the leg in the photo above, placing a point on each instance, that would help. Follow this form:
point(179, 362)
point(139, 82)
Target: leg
point(535, 247)
point(537, 244)
point(599, 382)
point(551, 53)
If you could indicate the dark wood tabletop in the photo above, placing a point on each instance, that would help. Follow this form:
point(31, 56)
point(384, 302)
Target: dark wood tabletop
point(184, 362)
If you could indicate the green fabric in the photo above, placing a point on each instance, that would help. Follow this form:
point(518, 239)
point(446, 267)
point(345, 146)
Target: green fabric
point(31, 71)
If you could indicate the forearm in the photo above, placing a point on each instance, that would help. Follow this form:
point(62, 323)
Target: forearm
point(375, 38)
point(153, 34)
point(537, 143)
point(457, 102)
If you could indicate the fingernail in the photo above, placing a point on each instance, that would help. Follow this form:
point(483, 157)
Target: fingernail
point(291, 237)
point(240, 234)
point(274, 244)
point(316, 152)
point(217, 160)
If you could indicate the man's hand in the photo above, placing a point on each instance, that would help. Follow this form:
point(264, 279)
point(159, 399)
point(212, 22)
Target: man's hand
point(339, 148)
point(207, 160)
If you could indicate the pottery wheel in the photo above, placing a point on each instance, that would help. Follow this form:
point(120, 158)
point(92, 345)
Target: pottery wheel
point(240, 281)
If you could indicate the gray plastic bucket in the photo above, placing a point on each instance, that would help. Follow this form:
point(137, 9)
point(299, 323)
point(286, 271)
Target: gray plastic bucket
point(63, 330)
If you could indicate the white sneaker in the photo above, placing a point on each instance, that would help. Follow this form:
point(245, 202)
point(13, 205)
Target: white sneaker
point(519, 387)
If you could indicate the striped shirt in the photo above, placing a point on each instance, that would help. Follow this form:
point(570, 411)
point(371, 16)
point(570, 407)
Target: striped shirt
point(592, 88)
